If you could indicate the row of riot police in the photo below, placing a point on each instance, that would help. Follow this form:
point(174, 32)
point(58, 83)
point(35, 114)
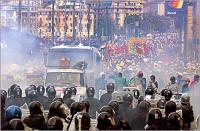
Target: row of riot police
point(153, 111)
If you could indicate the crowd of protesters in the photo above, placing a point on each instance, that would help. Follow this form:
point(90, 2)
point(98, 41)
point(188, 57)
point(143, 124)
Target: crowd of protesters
point(146, 109)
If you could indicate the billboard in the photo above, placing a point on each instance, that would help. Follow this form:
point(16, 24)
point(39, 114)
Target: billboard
point(175, 7)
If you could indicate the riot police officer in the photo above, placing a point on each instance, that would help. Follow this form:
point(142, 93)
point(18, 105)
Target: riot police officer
point(36, 119)
point(94, 103)
point(153, 120)
point(51, 93)
point(13, 112)
point(136, 93)
point(161, 103)
point(67, 97)
point(16, 99)
point(187, 111)
point(126, 110)
point(82, 121)
point(4, 93)
point(173, 121)
point(55, 123)
point(168, 94)
point(106, 98)
point(141, 114)
point(170, 107)
point(40, 95)
point(150, 92)
point(105, 121)
point(11, 90)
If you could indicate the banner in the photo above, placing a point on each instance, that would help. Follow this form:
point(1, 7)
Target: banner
point(136, 46)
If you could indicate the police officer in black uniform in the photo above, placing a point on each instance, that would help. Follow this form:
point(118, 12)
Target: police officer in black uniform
point(141, 114)
point(67, 97)
point(173, 121)
point(168, 94)
point(11, 90)
point(126, 110)
point(154, 119)
point(170, 107)
point(40, 95)
point(105, 121)
point(151, 92)
point(51, 93)
point(187, 111)
point(94, 103)
point(16, 99)
point(82, 121)
point(107, 97)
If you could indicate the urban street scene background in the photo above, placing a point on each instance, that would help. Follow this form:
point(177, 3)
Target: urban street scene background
point(110, 64)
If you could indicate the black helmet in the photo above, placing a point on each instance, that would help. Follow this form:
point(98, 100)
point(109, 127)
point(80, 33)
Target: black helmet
point(144, 106)
point(15, 124)
point(86, 105)
point(168, 94)
point(114, 105)
point(110, 87)
point(173, 79)
point(128, 98)
point(140, 98)
point(40, 90)
point(107, 109)
point(33, 87)
point(32, 94)
point(76, 107)
point(162, 93)
point(58, 99)
point(104, 121)
point(174, 120)
point(149, 91)
point(84, 118)
point(154, 116)
point(49, 86)
point(161, 103)
point(11, 89)
point(136, 93)
point(4, 93)
point(67, 93)
point(51, 93)
point(17, 92)
point(170, 106)
point(27, 90)
point(55, 123)
point(13, 112)
point(57, 108)
point(185, 99)
point(90, 91)
point(74, 90)
point(35, 108)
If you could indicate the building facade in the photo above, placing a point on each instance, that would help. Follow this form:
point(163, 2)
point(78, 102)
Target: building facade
point(117, 10)
point(66, 21)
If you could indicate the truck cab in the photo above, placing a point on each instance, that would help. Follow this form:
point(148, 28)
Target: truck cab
point(63, 78)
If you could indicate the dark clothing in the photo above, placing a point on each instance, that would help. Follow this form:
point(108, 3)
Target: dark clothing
point(188, 117)
point(128, 114)
point(14, 101)
point(35, 122)
point(43, 100)
point(105, 99)
point(68, 102)
point(140, 120)
point(94, 106)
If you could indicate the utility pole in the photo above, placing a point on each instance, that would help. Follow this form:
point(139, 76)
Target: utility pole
point(80, 24)
point(74, 20)
point(52, 21)
point(20, 16)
